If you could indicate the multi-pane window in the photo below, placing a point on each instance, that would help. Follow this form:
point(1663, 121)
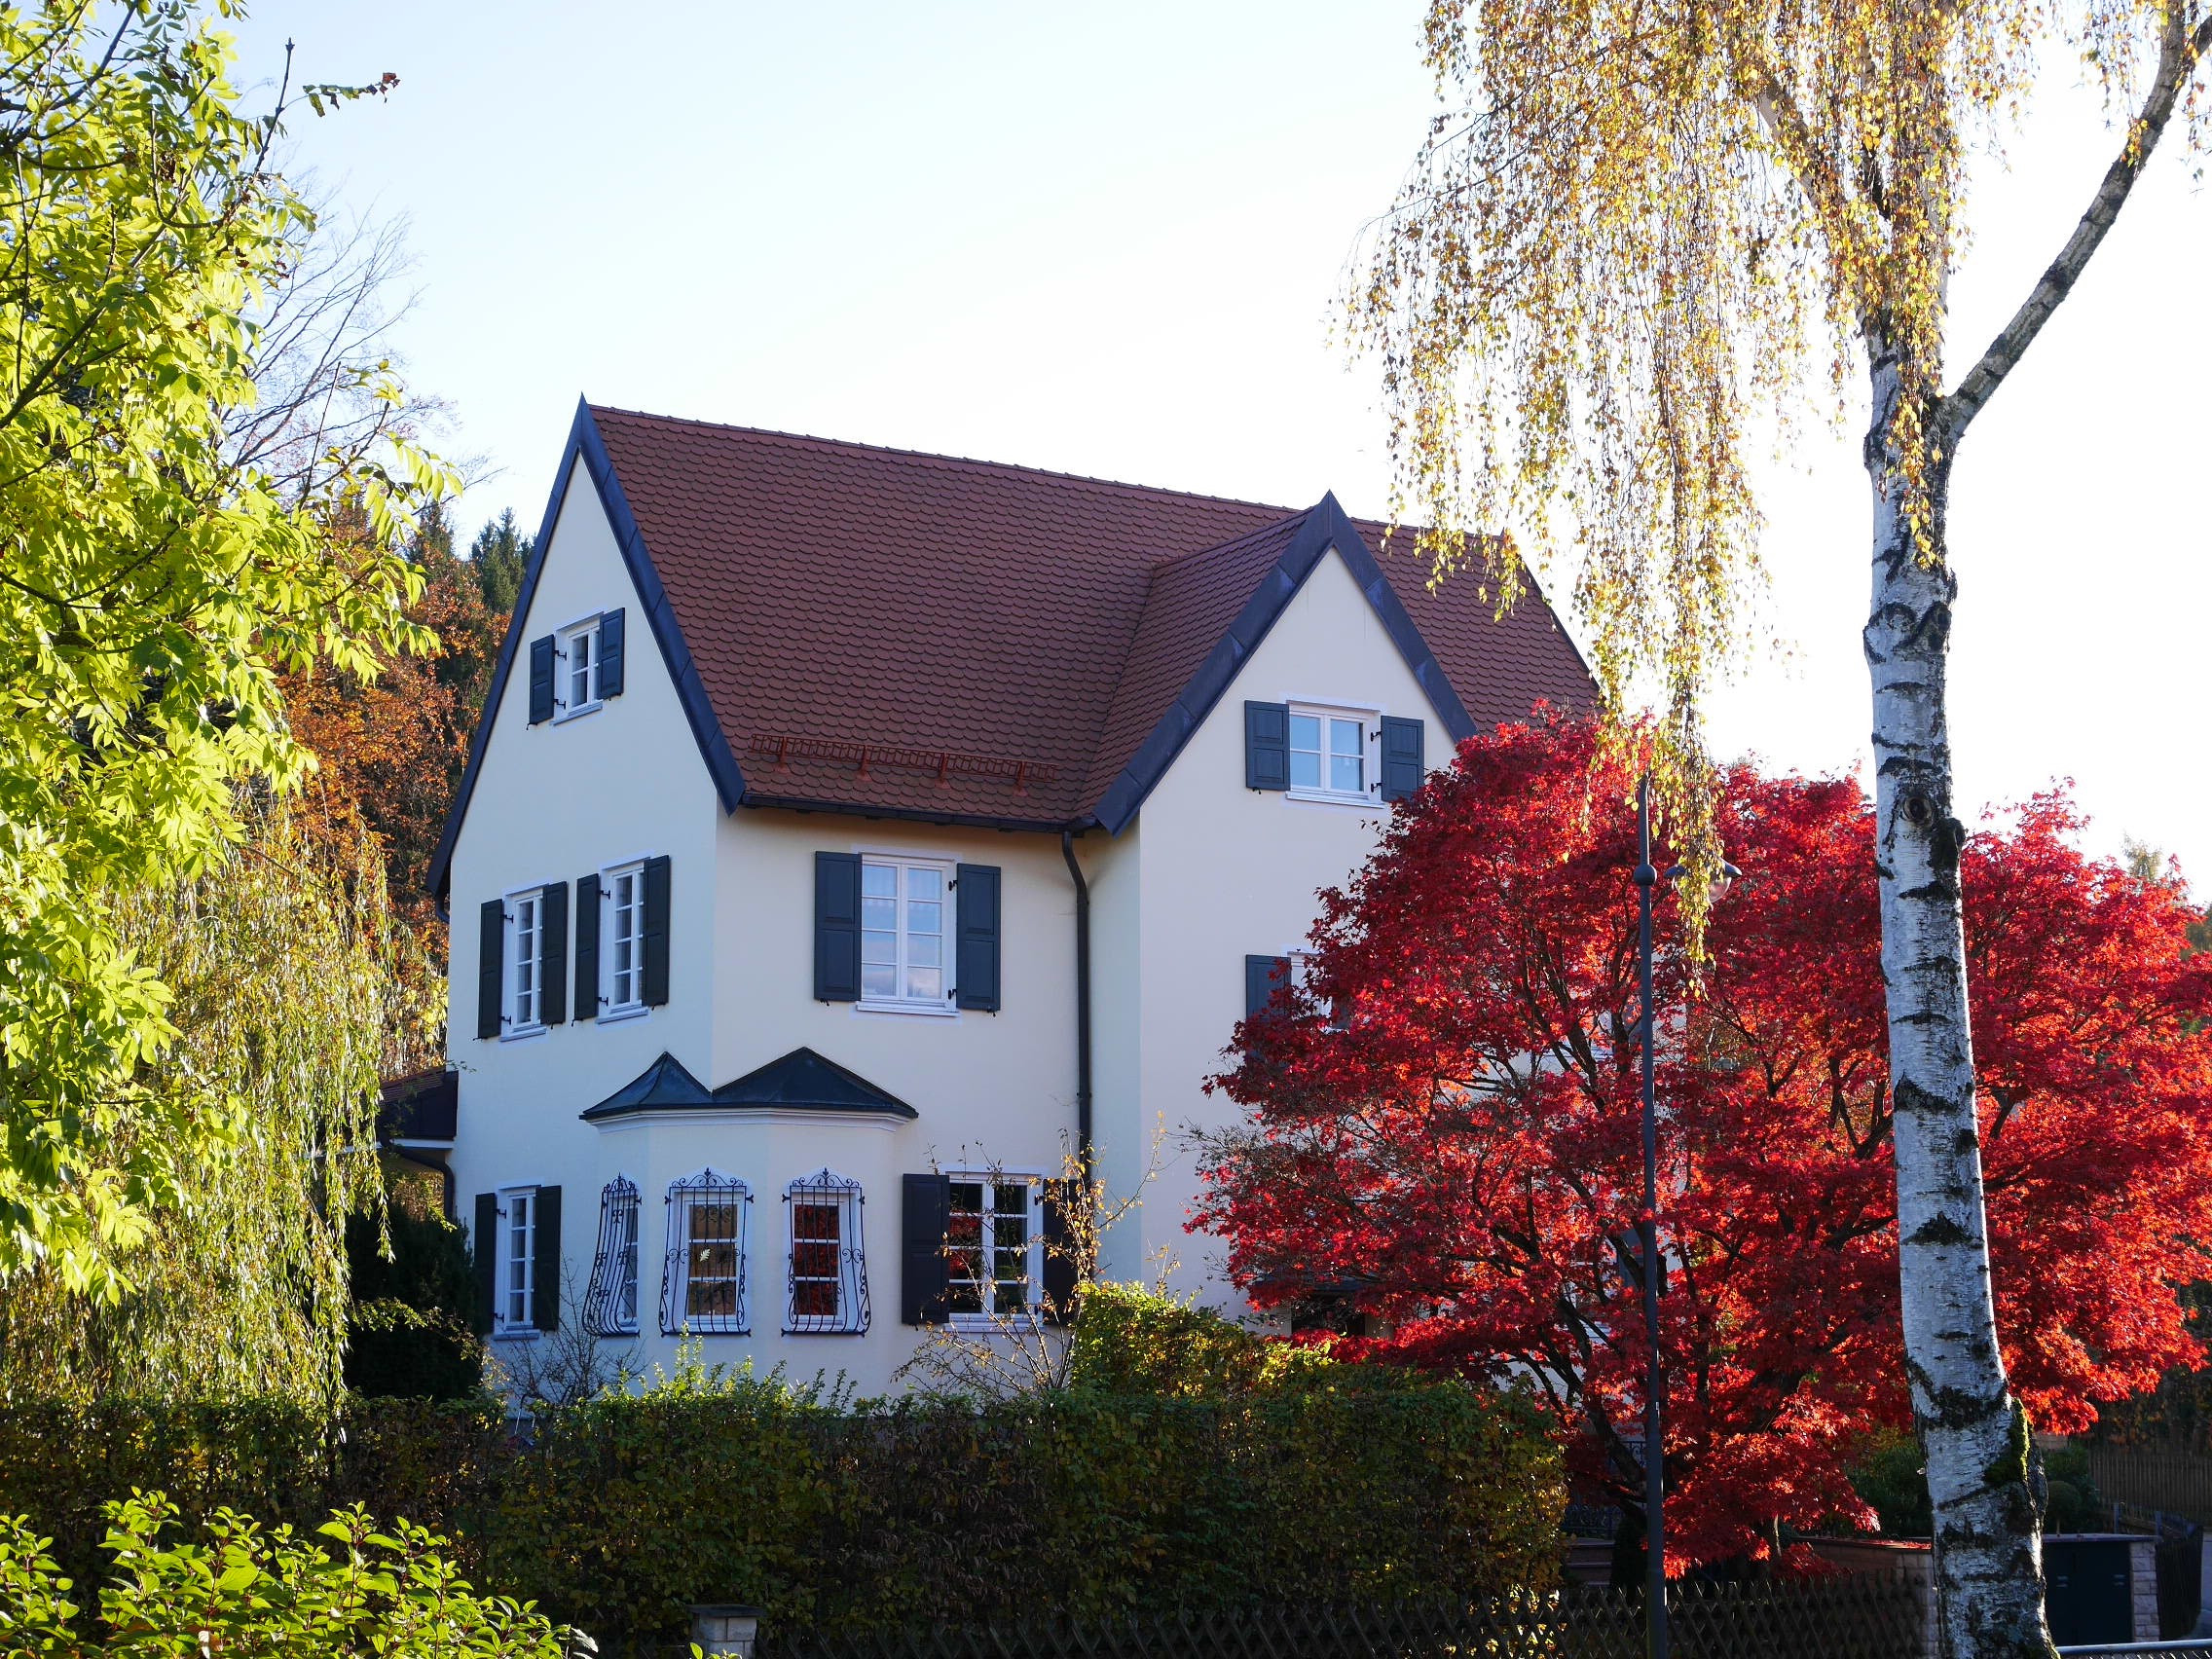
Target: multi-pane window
point(829, 1274)
point(517, 1258)
point(1328, 753)
point(1302, 976)
point(703, 1287)
point(610, 1306)
point(525, 949)
point(622, 943)
point(903, 927)
point(579, 668)
point(994, 1246)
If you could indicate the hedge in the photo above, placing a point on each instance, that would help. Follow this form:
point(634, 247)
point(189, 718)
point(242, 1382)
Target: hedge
point(1083, 1503)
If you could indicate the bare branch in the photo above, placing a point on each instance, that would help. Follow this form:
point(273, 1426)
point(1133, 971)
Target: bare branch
point(2179, 51)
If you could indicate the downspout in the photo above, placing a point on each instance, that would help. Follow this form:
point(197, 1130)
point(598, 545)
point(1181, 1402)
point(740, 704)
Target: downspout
point(1081, 1002)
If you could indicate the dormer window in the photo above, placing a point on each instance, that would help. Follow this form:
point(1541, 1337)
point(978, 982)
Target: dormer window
point(1328, 753)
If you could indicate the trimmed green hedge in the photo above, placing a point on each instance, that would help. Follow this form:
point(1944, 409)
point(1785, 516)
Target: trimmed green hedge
point(741, 1489)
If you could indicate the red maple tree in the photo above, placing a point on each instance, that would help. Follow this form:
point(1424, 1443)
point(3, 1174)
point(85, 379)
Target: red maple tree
point(1459, 1163)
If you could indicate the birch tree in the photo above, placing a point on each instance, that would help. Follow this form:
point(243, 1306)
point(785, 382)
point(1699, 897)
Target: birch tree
point(1642, 235)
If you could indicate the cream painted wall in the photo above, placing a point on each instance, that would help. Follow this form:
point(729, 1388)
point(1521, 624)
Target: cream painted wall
point(1222, 872)
point(552, 802)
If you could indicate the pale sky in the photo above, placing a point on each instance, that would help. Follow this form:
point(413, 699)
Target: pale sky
point(1108, 239)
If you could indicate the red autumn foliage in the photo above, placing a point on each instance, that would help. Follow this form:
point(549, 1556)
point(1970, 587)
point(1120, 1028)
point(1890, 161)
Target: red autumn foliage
point(1462, 1163)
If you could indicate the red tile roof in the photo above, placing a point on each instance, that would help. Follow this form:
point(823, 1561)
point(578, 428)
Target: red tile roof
point(917, 634)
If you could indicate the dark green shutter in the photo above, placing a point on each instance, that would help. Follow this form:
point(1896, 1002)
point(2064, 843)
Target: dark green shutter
point(484, 1259)
point(610, 655)
point(925, 1211)
point(490, 969)
point(975, 962)
point(1264, 975)
point(1060, 1265)
point(545, 1261)
point(542, 680)
point(1403, 765)
point(838, 927)
point(587, 948)
point(553, 954)
point(655, 963)
point(1267, 745)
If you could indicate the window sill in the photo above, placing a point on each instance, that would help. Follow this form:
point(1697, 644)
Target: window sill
point(825, 1330)
point(988, 1324)
point(616, 1016)
point(560, 716)
point(694, 1331)
point(1316, 797)
point(518, 1334)
point(929, 1009)
point(524, 1033)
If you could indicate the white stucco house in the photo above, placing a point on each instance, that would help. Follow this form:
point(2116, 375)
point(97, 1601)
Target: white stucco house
point(850, 833)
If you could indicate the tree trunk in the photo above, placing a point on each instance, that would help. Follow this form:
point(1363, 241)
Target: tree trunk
point(1983, 1473)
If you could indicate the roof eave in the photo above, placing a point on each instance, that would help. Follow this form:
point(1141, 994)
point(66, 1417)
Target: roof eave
point(585, 443)
point(1326, 525)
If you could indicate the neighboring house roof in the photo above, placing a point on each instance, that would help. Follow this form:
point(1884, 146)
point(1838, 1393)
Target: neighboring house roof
point(800, 1080)
point(959, 640)
point(424, 1106)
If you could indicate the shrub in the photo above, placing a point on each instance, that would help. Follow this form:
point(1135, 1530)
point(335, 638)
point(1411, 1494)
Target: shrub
point(252, 1591)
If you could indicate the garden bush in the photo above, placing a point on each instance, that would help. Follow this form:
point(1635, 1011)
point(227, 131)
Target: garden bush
point(1191, 1466)
point(254, 1592)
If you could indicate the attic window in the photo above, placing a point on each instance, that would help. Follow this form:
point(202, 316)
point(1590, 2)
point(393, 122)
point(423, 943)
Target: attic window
point(578, 670)
point(1328, 753)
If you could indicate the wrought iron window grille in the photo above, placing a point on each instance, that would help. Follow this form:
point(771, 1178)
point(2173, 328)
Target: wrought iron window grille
point(611, 1302)
point(702, 1287)
point(826, 1286)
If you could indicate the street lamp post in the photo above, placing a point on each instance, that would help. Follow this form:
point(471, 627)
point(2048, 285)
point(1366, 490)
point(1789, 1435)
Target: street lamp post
point(1647, 1243)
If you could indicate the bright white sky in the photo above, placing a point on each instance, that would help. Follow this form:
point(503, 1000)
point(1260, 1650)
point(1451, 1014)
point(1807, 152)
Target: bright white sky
point(1106, 239)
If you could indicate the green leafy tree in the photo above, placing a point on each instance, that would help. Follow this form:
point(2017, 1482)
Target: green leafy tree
point(153, 584)
point(294, 989)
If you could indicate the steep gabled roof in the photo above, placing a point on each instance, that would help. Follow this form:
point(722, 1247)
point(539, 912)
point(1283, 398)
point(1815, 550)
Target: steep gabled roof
point(921, 636)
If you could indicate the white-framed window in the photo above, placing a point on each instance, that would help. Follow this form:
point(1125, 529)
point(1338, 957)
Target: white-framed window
point(515, 1309)
point(905, 923)
point(827, 1286)
point(703, 1284)
point(524, 962)
point(622, 940)
point(611, 1305)
point(994, 1246)
point(1302, 976)
point(576, 670)
point(1329, 753)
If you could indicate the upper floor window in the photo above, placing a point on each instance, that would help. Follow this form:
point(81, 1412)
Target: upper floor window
point(1328, 753)
point(903, 933)
point(828, 1270)
point(576, 668)
point(703, 1285)
point(525, 952)
point(622, 946)
point(611, 1305)
point(516, 1310)
point(994, 1246)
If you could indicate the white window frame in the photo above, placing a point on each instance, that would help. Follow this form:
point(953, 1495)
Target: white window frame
point(988, 1319)
point(1301, 959)
point(512, 964)
point(513, 1264)
point(826, 1188)
point(633, 1007)
point(713, 1187)
point(611, 1305)
point(947, 941)
point(564, 707)
point(1369, 724)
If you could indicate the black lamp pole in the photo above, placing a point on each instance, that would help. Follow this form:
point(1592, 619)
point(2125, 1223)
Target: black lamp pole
point(1647, 1237)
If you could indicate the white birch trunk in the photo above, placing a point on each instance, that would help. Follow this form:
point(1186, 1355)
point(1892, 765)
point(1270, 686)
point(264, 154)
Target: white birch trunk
point(1982, 1475)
